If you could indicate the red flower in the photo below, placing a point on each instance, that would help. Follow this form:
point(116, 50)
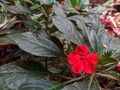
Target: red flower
point(81, 61)
point(118, 67)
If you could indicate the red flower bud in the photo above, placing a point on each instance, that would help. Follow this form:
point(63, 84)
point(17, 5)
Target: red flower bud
point(115, 1)
point(77, 8)
point(18, 25)
point(63, 3)
point(118, 67)
point(49, 9)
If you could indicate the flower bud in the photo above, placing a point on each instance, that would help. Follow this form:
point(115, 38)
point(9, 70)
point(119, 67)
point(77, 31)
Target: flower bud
point(77, 8)
point(118, 67)
point(63, 3)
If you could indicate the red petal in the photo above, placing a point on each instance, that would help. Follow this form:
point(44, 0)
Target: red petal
point(91, 58)
point(89, 69)
point(73, 58)
point(78, 67)
point(81, 50)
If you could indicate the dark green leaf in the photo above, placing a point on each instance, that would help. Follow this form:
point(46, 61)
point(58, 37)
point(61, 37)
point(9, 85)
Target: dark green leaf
point(80, 86)
point(36, 46)
point(89, 34)
point(58, 10)
point(2, 19)
point(5, 40)
point(42, 33)
point(23, 76)
point(4, 88)
point(11, 31)
point(18, 9)
point(46, 2)
point(107, 61)
point(68, 29)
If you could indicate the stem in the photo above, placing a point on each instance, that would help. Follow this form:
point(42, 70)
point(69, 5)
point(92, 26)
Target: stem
point(46, 60)
point(75, 79)
point(97, 83)
point(68, 82)
point(65, 77)
point(90, 82)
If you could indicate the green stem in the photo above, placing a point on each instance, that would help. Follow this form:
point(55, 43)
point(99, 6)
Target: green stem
point(90, 82)
point(68, 82)
point(46, 61)
point(61, 76)
point(97, 83)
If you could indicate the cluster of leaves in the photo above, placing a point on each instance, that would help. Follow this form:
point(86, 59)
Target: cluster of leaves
point(38, 35)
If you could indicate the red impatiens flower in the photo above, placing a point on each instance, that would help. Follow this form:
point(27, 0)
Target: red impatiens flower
point(81, 61)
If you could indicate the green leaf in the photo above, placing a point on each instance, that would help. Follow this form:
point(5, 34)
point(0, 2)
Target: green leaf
point(4, 88)
point(46, 2)
point(2, 19)
point(73, 2)
point(5, 1)
point(42, 33)
point(99, 9)
point(11, 31)
point(89, 34)
point(58, 11)
point(23, 76)
point(68, 29)
point(85, 3)
point(80, 86)
point(81, 3)
point(68, 3)
point(107, 62)
point(17, 8)
point(5, 40)
point(37, 46)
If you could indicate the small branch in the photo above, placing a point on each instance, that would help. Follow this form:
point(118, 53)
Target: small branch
point(75, 79)
point(68, 82)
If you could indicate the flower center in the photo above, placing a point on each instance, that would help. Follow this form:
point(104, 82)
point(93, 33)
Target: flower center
point(82, 58)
